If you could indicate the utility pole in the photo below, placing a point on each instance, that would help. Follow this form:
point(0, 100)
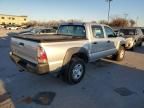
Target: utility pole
point(109, 8)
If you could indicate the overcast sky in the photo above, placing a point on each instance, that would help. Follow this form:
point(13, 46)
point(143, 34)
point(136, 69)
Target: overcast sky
point(85, 10)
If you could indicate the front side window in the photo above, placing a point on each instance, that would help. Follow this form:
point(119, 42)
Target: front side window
point(109, 32)
point(97, 32)
point(72, 30)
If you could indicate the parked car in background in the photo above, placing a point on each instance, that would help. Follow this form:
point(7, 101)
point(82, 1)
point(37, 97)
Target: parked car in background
point(38, 30)
point(44, 31)
point(13, 28)
point(66, 52)
point(133, 36)
point(142, 32)
point(34, 31)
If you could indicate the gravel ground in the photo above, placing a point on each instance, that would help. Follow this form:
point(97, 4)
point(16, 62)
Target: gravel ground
point(107, 84)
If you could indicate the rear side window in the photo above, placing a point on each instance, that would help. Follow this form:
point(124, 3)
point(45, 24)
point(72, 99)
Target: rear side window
point(97, 32)
point(72, 30)
point(109, 32)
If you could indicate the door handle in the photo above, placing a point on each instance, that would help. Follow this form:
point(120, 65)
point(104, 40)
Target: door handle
point(94, 43)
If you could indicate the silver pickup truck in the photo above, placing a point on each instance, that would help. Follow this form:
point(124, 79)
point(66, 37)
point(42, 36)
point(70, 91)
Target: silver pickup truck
point(66, 52)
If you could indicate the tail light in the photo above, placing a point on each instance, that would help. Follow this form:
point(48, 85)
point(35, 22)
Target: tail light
point(42, 57)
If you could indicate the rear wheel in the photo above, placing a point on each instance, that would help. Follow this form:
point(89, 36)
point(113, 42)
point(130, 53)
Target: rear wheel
point(75, 71)
point(119, 56)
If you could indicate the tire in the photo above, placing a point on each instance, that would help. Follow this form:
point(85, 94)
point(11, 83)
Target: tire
point(75, 71)
point(119, 56)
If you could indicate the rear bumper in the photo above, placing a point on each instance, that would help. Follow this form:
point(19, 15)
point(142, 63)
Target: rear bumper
point(29, 66)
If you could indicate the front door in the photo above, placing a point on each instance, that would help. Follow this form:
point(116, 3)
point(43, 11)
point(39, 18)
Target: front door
point(112, 40)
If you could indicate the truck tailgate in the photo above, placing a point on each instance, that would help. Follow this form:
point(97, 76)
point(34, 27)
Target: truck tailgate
point(25, 49)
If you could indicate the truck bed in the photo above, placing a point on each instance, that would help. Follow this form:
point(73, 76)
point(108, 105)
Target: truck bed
point(49, 38)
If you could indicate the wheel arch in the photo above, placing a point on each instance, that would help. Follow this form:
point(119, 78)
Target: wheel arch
point(75, 52)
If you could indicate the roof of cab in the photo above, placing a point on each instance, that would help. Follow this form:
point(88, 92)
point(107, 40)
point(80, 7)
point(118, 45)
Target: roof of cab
point(82, 23)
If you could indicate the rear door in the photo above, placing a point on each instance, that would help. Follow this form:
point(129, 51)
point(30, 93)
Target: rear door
point(99, 42)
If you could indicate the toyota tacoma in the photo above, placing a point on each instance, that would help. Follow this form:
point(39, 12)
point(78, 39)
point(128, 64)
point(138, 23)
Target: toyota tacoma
point(68, 51)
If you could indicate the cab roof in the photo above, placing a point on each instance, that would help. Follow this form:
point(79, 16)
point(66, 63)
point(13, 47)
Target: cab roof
point(82, 23)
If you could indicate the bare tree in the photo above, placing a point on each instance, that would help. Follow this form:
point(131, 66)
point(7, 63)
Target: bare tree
point(132, 22)
point(93, 22)
point(119, 22)
point(104, 22)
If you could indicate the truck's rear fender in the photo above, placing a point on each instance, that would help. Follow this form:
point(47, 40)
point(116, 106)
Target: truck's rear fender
point(75, 52)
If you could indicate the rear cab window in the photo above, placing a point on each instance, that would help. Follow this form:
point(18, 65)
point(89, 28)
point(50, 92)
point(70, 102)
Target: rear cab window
point(72, 30)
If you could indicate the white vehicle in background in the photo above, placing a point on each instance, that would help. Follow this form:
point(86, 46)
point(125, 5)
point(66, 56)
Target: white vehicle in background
point(133, 35)
point(12, 28)
point(142, 32)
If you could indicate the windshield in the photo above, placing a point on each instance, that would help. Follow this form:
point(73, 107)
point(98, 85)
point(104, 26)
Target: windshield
point(72, 30)
point(128, 31)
